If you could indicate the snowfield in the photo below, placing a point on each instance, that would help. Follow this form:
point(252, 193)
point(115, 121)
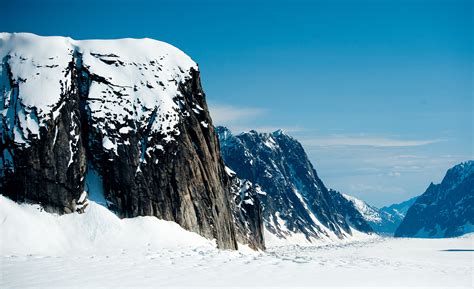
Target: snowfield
point(98, 250)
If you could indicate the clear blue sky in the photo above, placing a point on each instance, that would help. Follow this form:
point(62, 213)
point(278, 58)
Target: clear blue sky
point(379, 92)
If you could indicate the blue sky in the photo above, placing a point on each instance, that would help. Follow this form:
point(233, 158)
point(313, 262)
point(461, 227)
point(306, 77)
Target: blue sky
point(380, 93)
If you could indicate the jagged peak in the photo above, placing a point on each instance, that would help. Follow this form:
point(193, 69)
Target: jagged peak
point(278, 132)
point(467, 166)
point(223, 132)
point(266, 135)
point(459, 172)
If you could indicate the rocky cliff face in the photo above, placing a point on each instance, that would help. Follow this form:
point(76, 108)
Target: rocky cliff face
point(296, 202)
point(247, 211)
point(131, 113)
point(445, 209)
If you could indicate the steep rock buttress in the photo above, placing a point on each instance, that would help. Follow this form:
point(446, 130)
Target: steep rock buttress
point(130, 112)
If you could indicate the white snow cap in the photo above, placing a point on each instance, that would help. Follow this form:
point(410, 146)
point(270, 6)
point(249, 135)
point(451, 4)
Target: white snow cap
point(140, 80)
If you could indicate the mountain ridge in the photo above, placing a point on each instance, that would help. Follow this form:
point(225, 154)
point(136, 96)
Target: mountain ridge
point(445, 209)
point(296, 200)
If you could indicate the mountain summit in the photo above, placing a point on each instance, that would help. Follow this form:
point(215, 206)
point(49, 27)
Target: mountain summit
point(297, 205)
point(445, 209)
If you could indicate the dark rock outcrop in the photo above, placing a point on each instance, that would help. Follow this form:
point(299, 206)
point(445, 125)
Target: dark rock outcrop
point(247, 211)
point(39, 166)
point(445, 209)
point(132, 111)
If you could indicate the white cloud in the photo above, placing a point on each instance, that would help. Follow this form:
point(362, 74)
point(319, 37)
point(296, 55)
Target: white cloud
point(227, 114)
point(377, 189)
point(365, 141)
point(240, 119)
point(394, 174)
point(242, 128)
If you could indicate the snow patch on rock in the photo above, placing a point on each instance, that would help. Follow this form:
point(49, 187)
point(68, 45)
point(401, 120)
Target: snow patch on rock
point(133, 82)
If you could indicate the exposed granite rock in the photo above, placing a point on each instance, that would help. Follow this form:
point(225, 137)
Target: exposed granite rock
point(45, 171)
point(133, 111)
point(183, 182)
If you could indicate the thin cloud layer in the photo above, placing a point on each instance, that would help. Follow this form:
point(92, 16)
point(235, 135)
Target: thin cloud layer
point(227, 114)
point(366, 141)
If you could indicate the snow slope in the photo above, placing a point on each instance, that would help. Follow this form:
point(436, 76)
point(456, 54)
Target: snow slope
point(27, 229)
point(98, 250)
point(368, 212)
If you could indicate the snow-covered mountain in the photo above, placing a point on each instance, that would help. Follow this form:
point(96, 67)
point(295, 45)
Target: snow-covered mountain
point(123, 122)
point(296, 204)
point(384, 220)
point(445, 209)
point(399, 209)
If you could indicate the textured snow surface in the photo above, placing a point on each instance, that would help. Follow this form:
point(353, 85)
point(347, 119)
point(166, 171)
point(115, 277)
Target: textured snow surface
point(135, 85)
point(97, 249)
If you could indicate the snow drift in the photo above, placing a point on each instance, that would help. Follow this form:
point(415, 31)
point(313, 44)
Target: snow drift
point(27, 229)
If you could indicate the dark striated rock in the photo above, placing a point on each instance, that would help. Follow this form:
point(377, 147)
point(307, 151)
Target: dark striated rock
point(43, 171)
point(131, 113)
point(445, 209)
point(184, 182)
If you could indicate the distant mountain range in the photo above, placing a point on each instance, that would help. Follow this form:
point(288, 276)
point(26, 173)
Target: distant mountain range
point(297, 203)
point(444, 210)
point(385, 220)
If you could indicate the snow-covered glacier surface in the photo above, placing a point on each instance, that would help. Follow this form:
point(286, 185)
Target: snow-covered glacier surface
point(97, 249)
